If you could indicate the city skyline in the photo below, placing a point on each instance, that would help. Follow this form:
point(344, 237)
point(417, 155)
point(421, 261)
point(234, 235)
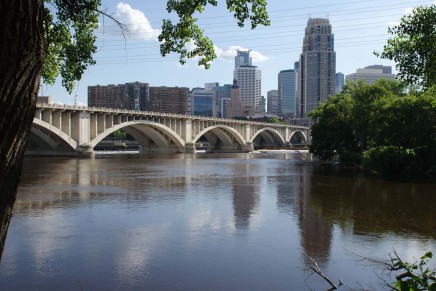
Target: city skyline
point(273, 48)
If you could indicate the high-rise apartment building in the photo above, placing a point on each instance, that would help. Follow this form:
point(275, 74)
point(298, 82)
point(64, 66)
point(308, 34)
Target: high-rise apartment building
point(371, 73)
point(169, 100)
point(133, 96)
point(287, 93)
point(317, 68)
point(136, 96)
point(272, 97)
point(340, 81)
point(249, 81)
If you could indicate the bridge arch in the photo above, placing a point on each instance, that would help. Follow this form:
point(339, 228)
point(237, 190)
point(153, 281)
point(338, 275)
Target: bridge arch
point(59, 134)
point(230, 138)
point(269, 131)
point(298, 137)
point(143, 129)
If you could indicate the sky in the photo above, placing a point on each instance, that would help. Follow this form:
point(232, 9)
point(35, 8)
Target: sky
point(359, 28)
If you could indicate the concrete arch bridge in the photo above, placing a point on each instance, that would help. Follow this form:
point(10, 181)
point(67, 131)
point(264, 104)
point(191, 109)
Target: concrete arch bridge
point(76, 130)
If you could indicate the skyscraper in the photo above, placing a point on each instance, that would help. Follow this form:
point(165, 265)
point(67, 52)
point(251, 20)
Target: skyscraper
point(242, 59)
point(287, 93)
point(249, 81)
point(273, 102)
point(340, 81)
point(317, 65)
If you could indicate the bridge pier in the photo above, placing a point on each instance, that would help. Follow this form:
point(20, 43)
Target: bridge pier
point(85, 150)
point(190, 148)
point(249, 147)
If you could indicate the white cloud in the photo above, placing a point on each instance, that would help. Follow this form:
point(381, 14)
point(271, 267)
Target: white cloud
point(224, 55)
point(137, 24)
point(408, 11)
point(230, 53)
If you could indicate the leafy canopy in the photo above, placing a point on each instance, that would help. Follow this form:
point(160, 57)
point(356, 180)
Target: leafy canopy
point(413, 47)
point(176, 36)
point(69, 39)
point(70, 42)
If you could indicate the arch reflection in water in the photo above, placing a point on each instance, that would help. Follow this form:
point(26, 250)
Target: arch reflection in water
point(236, 221)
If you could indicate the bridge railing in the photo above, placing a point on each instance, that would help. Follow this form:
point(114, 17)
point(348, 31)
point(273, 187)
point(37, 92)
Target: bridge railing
point(160, 114)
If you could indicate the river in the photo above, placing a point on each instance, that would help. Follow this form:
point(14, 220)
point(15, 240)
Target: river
point(209, 222)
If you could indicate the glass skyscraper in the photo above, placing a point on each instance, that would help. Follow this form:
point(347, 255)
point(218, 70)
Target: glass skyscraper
point(287, 93)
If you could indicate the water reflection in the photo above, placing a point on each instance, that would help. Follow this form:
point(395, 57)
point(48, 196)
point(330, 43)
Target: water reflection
point(373, 206)
point(196, 222)
point(245, 189)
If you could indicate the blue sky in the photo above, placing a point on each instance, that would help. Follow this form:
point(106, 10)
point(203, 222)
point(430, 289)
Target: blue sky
point(360, 27)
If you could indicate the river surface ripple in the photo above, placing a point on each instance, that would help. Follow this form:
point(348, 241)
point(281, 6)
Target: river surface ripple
point(208, 222)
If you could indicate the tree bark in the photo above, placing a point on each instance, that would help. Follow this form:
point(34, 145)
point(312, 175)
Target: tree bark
point(21, 59)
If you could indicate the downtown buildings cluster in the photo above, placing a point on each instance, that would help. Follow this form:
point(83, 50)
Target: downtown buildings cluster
point(299, 90)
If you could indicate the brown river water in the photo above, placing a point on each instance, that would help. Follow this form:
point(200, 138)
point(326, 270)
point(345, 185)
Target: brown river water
point(209, 222)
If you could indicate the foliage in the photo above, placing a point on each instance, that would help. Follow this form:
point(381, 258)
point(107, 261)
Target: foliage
point(69, 39)
point(176, 37)
point(393, 162)
point(413, 47)
point(414, 276)
point(120, 134)
point(378, 125)
point(343, 123)
point(272, 120)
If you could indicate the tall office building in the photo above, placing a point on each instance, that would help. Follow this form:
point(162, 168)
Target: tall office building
point(249, 81)
point(317, 68)
point(372, 73)
point(297, 88)
point(242, 59)
point(221, 93)
point(203, 102)
point(385, 69)
point(339, 82)
point(272, 97)
point(287, 93)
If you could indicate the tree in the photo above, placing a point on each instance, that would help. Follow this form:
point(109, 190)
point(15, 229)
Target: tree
point(51, 37)
point(175, 37)
point(413, 47)
point(379, 127)
point(342, 124)
point(272, 120)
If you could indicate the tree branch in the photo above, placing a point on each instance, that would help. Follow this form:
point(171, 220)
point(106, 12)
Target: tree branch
point(317, 270)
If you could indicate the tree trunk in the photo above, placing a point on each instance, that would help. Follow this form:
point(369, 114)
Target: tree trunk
point(21, 58)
